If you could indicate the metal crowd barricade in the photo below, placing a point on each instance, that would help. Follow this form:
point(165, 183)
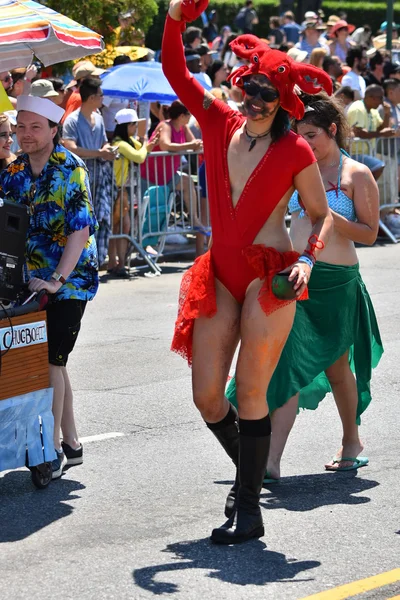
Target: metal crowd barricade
point(107, 212)
point(171, 202)
point(164, 198)
point(385, 149)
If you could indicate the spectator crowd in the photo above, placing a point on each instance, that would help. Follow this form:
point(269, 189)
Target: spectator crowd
point(107, 132)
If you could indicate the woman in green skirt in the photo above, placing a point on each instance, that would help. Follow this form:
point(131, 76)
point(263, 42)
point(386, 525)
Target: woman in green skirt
point(335, 341)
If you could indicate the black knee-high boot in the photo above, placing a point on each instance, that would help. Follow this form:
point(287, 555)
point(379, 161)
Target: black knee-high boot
point(227, 433)
point(247, 521)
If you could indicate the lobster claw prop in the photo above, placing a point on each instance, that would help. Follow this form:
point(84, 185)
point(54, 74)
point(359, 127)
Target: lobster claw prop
point(283, 72)
point(191, 11)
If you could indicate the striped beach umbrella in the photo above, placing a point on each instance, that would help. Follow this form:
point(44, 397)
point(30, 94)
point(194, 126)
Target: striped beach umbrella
point(28, 28)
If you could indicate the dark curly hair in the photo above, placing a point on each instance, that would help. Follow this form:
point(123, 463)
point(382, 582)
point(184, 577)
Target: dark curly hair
point(281, 124)
point(323, 110)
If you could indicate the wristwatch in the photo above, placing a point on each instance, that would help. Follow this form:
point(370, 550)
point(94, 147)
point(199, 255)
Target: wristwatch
point(58, 277)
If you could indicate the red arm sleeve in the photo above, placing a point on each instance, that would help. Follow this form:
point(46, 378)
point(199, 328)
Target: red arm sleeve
point(188, 90)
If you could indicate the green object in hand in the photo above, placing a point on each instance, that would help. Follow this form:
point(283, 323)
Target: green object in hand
point(282, 288)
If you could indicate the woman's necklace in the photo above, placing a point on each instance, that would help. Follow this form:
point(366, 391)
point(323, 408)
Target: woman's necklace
point(253, 138)
point(334, 163)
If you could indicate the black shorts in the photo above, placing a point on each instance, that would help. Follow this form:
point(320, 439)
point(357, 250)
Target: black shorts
point(63, 325)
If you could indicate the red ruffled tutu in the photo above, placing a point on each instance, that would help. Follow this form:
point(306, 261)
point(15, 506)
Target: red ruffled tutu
point(197, 296)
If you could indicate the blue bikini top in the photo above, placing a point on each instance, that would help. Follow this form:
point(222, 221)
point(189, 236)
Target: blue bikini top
point(337, 199)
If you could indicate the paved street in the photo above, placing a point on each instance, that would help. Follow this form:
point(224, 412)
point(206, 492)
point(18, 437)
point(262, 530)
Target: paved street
point(133, 521)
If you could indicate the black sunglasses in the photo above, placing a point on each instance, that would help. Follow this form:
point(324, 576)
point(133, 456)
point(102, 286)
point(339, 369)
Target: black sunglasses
point(267, 94)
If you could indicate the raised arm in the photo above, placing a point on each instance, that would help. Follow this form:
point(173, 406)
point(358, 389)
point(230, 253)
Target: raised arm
point(196, 99)
point(188, 90)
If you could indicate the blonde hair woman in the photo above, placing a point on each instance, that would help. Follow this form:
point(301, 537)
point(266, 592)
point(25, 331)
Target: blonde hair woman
point(6, 156)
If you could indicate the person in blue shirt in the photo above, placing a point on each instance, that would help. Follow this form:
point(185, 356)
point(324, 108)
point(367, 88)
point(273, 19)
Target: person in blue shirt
point(84, 134)
point(290, 28)
point(311, 39)
point(61, 254)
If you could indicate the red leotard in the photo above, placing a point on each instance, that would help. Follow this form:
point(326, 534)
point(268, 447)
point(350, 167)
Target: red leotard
point(234, 260)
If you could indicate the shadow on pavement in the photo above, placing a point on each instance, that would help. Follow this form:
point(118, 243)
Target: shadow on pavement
point(169, 269)
point(307, 492)
point(245, 564)
point(24, 510)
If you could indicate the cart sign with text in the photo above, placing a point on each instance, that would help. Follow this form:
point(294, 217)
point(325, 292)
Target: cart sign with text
point(19, 336)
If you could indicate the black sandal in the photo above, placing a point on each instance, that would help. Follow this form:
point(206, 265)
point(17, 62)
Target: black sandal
point(122, 273)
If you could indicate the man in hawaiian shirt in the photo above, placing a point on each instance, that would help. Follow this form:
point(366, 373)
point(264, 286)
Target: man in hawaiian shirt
point(61, 253)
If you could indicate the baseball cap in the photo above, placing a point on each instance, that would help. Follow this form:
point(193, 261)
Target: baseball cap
point(42, 88)
point(126, 115)
point(86, 69)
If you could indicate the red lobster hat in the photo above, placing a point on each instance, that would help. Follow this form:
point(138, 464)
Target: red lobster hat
point(282, 71)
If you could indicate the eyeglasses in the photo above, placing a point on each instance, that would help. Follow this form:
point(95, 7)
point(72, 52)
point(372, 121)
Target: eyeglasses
point(267, 94)
point(7, 78)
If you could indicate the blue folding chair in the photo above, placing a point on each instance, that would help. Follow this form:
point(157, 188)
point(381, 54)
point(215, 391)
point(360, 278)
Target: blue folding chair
point(156, 209)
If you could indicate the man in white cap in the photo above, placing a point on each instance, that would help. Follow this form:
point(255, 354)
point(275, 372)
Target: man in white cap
point(61, 254)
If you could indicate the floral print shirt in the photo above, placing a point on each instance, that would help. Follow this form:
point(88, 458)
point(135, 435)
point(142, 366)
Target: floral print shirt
point(59, 203)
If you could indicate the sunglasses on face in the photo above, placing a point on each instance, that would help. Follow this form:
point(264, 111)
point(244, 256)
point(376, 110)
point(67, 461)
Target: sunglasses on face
point(251, 88)
point(7, 78)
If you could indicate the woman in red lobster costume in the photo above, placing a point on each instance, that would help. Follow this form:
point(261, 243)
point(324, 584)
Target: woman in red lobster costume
point(253, 165)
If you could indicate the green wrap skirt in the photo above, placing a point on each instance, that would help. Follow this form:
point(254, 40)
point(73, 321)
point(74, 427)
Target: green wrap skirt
point(338, 316)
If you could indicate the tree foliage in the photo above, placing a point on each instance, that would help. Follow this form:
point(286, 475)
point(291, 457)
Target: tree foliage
point(102, 15)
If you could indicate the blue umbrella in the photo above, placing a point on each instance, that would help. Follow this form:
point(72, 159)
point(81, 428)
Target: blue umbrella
point(142, 81)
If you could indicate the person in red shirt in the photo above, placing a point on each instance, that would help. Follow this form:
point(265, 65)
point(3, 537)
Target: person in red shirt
point(81, 70)
point(253, 164)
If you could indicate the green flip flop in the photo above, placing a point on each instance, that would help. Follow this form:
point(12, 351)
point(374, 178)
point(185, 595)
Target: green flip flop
point(268, 479)
point(358, 462)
